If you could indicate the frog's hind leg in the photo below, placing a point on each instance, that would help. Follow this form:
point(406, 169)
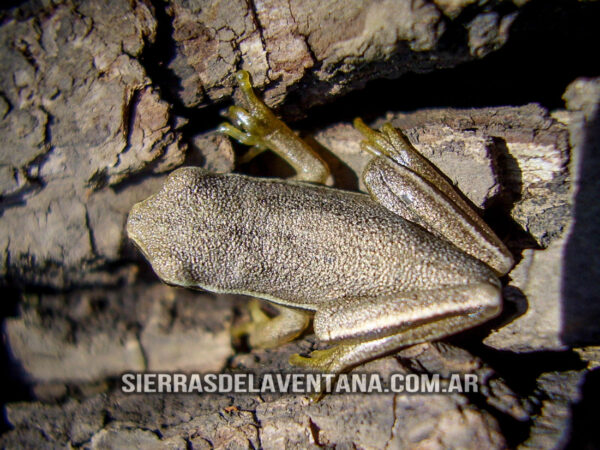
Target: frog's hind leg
point(256, 125)
point(266, 332)
point(370, 328)
point(393, 145)
point(406, 183)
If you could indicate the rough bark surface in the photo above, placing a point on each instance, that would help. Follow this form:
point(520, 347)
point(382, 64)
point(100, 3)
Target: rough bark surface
point(98, 103)
point(79, 113)
point(318, 49)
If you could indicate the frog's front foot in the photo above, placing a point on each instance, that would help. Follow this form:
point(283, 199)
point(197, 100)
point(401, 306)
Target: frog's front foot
point(258, 320)
point(248, 129)
point(254, 124)
point(266, 332)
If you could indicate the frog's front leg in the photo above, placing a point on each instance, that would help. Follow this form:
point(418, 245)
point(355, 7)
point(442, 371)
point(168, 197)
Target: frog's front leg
point(266, 332)
point(406, 183)
point(369, 328)
point(257, 126)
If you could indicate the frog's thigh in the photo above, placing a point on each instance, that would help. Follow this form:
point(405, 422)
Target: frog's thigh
point(369, 328)
point(267, 332)
point(404, 313)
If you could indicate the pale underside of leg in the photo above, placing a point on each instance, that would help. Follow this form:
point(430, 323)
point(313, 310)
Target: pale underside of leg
point(345, 356)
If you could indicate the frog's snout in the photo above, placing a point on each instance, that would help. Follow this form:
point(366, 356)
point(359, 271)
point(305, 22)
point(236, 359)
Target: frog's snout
point(133, 220)
point(136, 226)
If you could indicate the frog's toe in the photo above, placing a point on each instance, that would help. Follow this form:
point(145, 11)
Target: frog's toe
point(246, 121)
point(243, 80)
point(258, 319)
point(389, 141)
point(254, 151)
point(300, 361)
point(267, 332)
point(259, 334)
point(238, 135)
point(256, 313)
point(323, 360)
point(375, 142)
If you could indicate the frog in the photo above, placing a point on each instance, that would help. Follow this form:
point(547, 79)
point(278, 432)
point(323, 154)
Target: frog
point(408, 262)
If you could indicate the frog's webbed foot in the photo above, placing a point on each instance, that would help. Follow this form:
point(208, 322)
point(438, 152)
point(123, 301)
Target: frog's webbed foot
point(268, 332)
point(406, 183)
point(248, 130)
point(254, 124)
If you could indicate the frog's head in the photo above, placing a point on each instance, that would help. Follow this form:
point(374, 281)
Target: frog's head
point(165, 225)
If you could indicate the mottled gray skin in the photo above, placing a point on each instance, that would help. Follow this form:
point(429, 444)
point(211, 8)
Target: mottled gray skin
point(299, 244)
point(412, 262)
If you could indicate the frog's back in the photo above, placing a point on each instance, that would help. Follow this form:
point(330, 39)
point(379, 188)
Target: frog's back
point(293, 243)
